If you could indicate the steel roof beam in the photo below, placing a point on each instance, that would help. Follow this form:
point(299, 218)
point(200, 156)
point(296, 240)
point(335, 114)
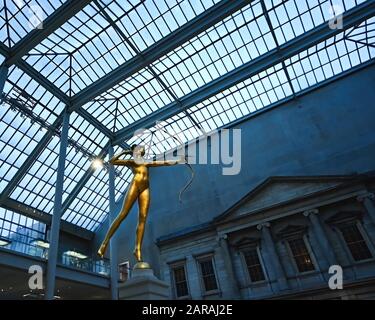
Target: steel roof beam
point(95, 122)
point(26, 165)
point(58, 93)
point(86, 177)
point(37, 76)
point(321, 33)
point(82, 182)
point(66, 11)
point(165, 45)
point(46, 218)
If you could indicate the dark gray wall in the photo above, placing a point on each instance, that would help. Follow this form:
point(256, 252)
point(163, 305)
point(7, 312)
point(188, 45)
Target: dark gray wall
point(71, 242)
point(329, 131)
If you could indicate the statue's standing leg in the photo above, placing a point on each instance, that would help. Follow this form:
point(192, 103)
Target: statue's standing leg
point(143, 203)
point(130, 197)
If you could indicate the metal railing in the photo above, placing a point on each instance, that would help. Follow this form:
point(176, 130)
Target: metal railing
point(99, 266)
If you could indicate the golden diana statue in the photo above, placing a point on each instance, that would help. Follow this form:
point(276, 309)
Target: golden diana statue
point(139, 189)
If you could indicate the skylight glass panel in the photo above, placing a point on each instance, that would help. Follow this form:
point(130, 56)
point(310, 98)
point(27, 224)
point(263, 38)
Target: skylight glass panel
point(26, 93)
point(229, 44)
point(166, 135)
point(4, 27)
point(146, 22)
point(294, 17)
point(91, 205)
point(85, 143)
point(55, 67)
point(37, 188)
point(81, 51)
point(19, 17)
point(129, 101)
point(18, 139)
point(105, 110)
point(332, 57)
point(27, 111)
point(89, 46)
point(249, 96)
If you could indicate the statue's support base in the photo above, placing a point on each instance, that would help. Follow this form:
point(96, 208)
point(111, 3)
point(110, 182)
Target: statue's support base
point(143, 285)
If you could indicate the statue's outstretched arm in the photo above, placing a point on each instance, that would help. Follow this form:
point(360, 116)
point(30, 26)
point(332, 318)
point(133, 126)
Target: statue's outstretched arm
point(162, 163)
point(127, 163)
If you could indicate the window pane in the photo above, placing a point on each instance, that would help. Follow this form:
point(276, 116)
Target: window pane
point(355, 242)
point(301, 255)
point(20, 232)
point(253, 265)
point(208, 275)
point(180, 282)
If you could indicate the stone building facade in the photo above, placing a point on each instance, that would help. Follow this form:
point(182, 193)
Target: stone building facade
point(280, 241)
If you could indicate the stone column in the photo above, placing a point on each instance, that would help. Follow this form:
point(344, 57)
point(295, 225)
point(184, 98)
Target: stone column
point(324, 246)
point(368, 202)
point(224, 247)
point(193, 278)
point(275, 265)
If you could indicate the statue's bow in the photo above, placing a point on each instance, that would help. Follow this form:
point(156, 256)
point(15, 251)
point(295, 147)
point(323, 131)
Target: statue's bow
point(188, 184)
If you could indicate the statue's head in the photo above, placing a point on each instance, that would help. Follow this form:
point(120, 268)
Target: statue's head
point(138, 150)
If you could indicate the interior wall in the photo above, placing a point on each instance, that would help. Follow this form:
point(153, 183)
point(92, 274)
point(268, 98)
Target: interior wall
point(71, 242)
point(329, 131)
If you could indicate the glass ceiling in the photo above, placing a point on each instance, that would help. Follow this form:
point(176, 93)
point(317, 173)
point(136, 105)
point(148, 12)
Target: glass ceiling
point(17, 17)
point(108, 33)
point(87, 46)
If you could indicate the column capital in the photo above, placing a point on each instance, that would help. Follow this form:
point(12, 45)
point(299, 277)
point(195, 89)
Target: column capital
point(221, 237)
point(189, 257)
point(310, 212)
point(363, 197)
point(260, 226)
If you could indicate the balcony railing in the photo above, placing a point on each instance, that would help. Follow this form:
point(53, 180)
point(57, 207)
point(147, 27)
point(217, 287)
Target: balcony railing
point(99, 266)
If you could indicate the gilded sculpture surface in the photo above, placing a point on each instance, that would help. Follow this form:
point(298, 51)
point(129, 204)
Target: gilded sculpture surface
point(139, 189)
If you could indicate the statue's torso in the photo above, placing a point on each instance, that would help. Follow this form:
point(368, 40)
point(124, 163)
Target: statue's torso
point(141, 176)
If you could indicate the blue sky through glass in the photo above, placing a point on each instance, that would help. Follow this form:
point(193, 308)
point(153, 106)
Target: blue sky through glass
point(88, 47)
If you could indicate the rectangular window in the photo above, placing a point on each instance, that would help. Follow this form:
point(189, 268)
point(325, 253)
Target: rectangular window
point(301, 255)
point(355, 242)
point(22, 234)
point(180, 281)
point(253, 264)
point(208, 274)
point(123, 269)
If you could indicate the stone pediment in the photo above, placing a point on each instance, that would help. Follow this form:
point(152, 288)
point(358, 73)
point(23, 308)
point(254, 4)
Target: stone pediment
point(279, 190)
